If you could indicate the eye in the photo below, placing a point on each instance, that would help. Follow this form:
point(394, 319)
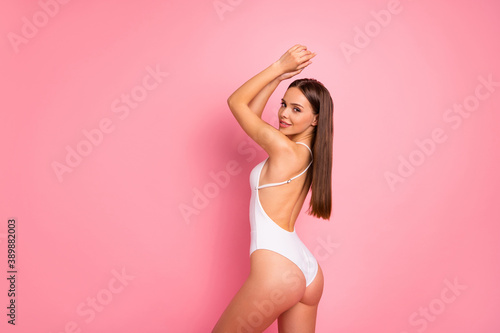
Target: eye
point(283, 104)
point(296, 110)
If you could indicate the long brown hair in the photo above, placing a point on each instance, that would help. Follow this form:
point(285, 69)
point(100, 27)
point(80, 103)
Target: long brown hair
point(322, 146)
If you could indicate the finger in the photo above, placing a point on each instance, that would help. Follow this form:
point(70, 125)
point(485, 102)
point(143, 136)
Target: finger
point(304, 65)
point(306, 52)
point(292, 74)
point(295, 47)
point(308, 56)
point(300, 48)
point(305, 56)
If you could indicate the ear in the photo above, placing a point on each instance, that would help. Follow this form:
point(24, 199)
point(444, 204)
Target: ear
point(315, 120)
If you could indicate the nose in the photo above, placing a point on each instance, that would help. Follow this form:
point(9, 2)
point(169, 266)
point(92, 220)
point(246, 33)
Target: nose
point(284, 113)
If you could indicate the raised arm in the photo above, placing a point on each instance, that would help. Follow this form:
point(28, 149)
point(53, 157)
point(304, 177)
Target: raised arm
point(248, 101)
point(259, 102)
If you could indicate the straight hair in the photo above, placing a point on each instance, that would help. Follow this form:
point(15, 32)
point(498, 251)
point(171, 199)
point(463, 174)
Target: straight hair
point(319, 97)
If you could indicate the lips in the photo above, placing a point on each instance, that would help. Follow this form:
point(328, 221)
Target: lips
point(283, 124)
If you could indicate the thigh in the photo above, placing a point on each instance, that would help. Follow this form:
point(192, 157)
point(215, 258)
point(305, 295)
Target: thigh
point(301, 318)
point(275, 284)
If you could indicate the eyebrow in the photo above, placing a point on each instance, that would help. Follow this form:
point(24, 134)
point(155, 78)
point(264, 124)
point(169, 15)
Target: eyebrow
point(292, 103)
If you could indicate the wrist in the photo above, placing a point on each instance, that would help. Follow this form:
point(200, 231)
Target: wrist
point(276, 82)
point(277, 69)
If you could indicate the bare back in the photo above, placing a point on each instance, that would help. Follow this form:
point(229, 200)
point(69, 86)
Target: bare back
point(284, 203)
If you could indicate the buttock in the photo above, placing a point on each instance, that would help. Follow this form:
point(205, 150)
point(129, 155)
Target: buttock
point(275, 272)
point(300, 258)
point(314, 290)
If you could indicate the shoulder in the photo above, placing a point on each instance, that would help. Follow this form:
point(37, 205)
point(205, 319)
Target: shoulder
point(290, 156)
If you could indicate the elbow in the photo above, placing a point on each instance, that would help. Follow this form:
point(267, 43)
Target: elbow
point(232, 103)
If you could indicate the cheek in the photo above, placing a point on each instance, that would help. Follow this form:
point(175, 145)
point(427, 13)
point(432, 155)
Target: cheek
point(303, 120)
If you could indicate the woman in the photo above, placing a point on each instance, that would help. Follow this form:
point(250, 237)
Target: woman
point(285, 281)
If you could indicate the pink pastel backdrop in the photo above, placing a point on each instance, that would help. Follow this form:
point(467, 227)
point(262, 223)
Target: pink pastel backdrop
point(149, 231)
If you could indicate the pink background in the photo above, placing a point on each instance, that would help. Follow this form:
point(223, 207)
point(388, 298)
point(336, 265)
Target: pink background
point(389, 254)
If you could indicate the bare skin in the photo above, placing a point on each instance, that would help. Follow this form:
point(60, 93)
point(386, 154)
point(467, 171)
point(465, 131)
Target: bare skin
point(276, 288)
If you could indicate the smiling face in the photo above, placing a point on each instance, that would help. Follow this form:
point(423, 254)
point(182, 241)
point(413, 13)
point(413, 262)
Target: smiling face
point(296, 114)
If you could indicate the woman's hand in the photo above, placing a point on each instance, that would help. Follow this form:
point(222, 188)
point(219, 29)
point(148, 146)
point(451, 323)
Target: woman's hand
point(294, 61)
point(288, 75)
point(248, 101)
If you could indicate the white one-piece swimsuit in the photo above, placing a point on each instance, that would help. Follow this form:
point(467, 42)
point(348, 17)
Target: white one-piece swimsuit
point(266, 234)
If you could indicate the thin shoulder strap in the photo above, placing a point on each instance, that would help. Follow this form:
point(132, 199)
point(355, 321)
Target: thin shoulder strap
point(302, 143)
point(289, 180)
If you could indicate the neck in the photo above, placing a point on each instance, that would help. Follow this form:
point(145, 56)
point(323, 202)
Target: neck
point(302, 137)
